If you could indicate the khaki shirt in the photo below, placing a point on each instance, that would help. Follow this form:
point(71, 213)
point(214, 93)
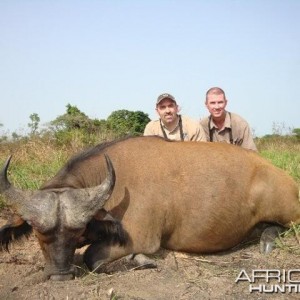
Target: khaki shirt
point(192, 130)
point(240, 129)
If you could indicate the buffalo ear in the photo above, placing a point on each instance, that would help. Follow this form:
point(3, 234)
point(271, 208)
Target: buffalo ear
point(13, 232)
point(14, 229)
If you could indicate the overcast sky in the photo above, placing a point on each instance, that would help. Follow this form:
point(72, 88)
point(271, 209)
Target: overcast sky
point(104, 56)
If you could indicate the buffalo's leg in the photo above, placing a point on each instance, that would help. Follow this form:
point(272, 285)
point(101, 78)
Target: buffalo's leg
point(101, 258)
point(267, 240)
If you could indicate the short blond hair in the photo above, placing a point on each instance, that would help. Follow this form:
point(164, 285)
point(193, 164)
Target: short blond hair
point(215, 91)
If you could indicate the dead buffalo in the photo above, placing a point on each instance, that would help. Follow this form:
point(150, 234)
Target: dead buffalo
point(186, 196)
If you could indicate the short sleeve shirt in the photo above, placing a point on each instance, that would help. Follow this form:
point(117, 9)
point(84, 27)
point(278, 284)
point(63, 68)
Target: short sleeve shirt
point(240, 130)
point(192, 130)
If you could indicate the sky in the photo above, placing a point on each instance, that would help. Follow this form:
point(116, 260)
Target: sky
point(108, 55)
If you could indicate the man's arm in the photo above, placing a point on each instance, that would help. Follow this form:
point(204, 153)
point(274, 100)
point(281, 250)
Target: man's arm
point(149, 129)
point(248, 141)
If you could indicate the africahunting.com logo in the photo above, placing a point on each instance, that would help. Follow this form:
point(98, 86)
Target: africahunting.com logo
point(271, 281)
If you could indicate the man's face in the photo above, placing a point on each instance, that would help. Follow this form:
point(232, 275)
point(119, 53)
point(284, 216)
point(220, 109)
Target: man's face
point(167, 110)
point(216, 105)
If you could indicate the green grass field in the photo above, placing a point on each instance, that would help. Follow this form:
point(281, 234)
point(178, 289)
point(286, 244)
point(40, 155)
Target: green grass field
point(283, 153)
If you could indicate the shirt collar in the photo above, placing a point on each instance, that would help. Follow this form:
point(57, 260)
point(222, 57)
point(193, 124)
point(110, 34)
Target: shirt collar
point(227, 123)
point(163, 125)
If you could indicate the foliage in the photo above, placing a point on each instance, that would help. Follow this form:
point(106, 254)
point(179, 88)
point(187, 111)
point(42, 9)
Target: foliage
point(75, 127)
point(287, 160)
point(278, 141)
point(33, 159)
point(281, 129)
point(74, 119)
point(78, 138)
point(283, 152)
point(125, 122)
point(34, 124)
point(296, 132)
point(3, 136)
point(16, 136)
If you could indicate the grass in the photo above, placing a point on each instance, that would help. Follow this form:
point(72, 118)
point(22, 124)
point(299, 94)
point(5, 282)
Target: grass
point(284, 154)
point(289, 161)
point(33, 161)
point(289, 240)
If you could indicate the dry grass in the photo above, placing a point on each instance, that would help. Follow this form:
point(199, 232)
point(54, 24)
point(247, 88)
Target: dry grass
point(33, 161)
point(37, 159)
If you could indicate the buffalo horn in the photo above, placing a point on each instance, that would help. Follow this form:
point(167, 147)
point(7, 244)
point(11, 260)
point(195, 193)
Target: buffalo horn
point(11, 194)
point(85, 203)
point(25, 204)
point(4, 183)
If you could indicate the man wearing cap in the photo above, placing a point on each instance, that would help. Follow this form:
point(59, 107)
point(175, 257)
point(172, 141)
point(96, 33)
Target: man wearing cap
point(171, 125)
point(224, 126)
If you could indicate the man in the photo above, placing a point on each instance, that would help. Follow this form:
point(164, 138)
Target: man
point(223, 126)
point(171, 125)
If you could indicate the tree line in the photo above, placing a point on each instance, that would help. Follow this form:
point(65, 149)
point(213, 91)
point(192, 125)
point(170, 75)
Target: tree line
point(75, 123)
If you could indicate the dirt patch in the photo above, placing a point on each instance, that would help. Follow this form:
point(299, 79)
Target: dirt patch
point(178, 276)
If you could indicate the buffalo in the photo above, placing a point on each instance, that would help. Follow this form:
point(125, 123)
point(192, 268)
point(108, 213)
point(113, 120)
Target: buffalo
point(132, 196)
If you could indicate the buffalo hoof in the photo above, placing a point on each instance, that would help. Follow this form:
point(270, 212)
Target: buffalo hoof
point(141, 261)
point(126, 263)
point(267, 240)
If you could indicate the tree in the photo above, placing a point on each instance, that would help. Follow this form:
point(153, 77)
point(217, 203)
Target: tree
point(281, 129)
point(296, 132)
point(75, 126)
point(125, 122)
point(16, 136)
point(34, 124)
point(74, 119)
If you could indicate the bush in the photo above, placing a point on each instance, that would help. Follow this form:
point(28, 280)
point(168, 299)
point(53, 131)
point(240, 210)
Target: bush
point(125, 122)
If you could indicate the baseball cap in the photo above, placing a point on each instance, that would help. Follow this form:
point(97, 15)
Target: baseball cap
point(165, 96)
